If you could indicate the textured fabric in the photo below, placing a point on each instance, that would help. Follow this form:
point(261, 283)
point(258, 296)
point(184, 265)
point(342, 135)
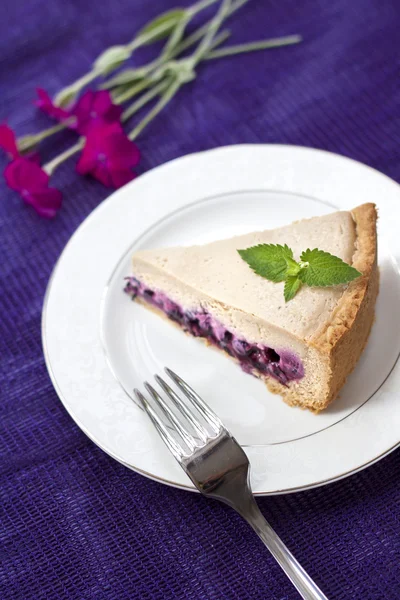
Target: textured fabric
point(74, 523)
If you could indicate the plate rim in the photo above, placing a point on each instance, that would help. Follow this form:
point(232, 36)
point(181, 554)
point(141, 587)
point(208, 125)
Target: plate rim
point(78, 230)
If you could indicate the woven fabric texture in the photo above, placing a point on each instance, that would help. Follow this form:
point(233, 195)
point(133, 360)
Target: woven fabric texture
point(74, 523)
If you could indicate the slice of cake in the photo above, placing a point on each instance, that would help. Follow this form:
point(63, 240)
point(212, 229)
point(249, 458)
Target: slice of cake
point(303, 349)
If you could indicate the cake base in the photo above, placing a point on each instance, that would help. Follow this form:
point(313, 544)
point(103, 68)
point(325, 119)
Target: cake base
point(288, 393)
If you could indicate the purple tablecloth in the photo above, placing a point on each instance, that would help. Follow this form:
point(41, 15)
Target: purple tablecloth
point(76, 524)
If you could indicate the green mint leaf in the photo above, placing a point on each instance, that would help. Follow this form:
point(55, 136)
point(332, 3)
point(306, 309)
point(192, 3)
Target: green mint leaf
point(293, 267)
point(269, 260)
point(292, 286)
point(322, 269)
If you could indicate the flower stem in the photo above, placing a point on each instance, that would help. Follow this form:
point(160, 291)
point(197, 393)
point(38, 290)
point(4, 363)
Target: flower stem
point(252, 46)
point(178, 33)
point(212, 30)
point(69, 93)
point(199, 6)
point(197, 35)
point(165, 98)
point(145, 38)
point(137, 76)
point(157, 89)
point(133, 91)
point(51, 166)
point(29, 141)
point(201, 31)
point(175, 38)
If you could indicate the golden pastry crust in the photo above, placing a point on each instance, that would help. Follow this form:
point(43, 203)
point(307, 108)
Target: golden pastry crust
point(342, 340)
point(346, 337)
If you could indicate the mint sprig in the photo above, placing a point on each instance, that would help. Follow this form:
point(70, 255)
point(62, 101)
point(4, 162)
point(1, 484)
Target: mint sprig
point(316, 268)
point(324, 269)
point(269, 260)
point(292, 286)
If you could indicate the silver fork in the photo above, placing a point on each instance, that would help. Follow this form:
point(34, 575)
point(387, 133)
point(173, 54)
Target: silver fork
point(218, 467)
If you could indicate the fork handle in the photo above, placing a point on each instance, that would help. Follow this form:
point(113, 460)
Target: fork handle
point(294, 571)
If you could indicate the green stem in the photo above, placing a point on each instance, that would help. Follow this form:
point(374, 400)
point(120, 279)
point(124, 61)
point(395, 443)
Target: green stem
point(127, 76)
point(85, 79)
point(143, 72)
point(64, 96)
point(29, 141)
point(157, 89)
point(175, 38)
point(133, 91)
point(196, 36)
point(147, 37)
point(208, 39)
point(252, 46)
point(196, 8)
point(51, 166)
point(69, 93)
point(55, 129)
point(201, 31)
point(165, 98)
point(184, 45)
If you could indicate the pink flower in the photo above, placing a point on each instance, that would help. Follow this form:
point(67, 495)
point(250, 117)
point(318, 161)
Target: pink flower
point(8, 140)
point(91, 108)
point(32, 183)
point(45, 103)
point(94, 107)
point(109, 155)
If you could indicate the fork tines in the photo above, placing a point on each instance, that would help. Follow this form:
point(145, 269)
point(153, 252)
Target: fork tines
point(186, 416)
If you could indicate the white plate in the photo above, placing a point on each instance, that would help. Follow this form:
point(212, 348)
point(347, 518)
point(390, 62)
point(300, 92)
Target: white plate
point(89, 325)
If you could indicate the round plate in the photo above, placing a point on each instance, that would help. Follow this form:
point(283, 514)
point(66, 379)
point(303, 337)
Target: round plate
point(99, 345)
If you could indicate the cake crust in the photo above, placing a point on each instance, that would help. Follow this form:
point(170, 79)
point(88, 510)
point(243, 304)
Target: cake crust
point(347, 333)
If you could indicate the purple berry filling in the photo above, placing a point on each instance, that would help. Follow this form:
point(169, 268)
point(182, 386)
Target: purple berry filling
point(284, 366)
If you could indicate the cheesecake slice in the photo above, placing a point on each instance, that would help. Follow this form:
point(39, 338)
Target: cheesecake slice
point(303, 349)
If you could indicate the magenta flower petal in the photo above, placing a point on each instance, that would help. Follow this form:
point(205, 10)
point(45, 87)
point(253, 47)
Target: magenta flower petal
point(33, 157)
point(82, 108)
point(120, 178)
point(114, 113)
point(102, 174)
point(9, 176)
point(120, 162)
point(123, 153)
point(45, 103)
point(8, 141)
point(32, 183)
point(102, 102)
point(104, 107)
point(23, 174)
point(87, 160)
point(108, 155)
point(46, 202)
point(95, 108)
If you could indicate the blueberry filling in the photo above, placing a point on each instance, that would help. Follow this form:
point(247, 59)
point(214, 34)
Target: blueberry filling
point(284, 366)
